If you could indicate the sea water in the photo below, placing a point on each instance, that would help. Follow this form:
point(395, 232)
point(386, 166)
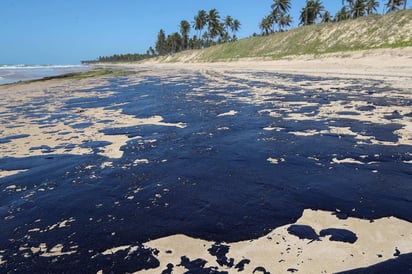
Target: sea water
point(16, 73)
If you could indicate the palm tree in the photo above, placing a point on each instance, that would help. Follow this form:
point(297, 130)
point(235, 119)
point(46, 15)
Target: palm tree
point(161, 43)
point(200, 21)
point(317, 8)
point(350, 6)
point(266, 25)
point(174, 42)
point(284, 21)
point(350, 3)
point(310, 13)
point(279, 10)
point(184, 31)
point(342, 14)
point(213, 25)
point(359, 8)
point(151, 51)
point(233, 25)
point(394, 5)
point(235, 28)
point(371, 6)
point(326, 17)
point(205, 39)
point(228, 24)
point(280, 6)
point(391, 6)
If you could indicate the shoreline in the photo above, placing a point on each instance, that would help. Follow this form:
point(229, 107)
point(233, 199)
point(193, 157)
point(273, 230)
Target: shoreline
point(392, 65)
point(25, 73)
point(376, 62)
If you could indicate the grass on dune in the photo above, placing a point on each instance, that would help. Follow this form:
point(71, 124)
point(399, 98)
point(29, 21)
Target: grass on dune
point(376, 31)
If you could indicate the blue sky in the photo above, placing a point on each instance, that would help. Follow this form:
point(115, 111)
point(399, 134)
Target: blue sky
point(68, 31)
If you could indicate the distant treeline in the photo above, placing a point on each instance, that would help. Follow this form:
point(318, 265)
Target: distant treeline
point(119, 58)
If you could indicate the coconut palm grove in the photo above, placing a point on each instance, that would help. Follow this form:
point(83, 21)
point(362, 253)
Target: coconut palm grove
point(211, 28)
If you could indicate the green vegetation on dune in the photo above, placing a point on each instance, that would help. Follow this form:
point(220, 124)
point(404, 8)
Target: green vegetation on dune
point(371, 32)
point(88, 74)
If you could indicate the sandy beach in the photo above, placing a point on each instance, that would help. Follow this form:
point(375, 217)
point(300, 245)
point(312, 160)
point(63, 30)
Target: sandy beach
point(175, 167)
point(370, 64)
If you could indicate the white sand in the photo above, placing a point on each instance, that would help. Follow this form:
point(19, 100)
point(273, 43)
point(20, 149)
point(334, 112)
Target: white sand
point(5, 173)
point(55, 251)
point(347, 161)
point(389, 64)
point(279, 251)
point(229, 113)
point(275, 161)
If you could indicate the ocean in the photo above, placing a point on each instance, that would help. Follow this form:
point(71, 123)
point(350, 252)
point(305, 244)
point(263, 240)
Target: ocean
point(15, 73)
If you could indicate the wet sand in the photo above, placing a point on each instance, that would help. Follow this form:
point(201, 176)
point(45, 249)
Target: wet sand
point(292, 165)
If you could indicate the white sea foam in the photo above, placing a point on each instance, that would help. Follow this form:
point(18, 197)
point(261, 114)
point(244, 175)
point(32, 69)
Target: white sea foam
point(15, 73)
point(22, 66)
